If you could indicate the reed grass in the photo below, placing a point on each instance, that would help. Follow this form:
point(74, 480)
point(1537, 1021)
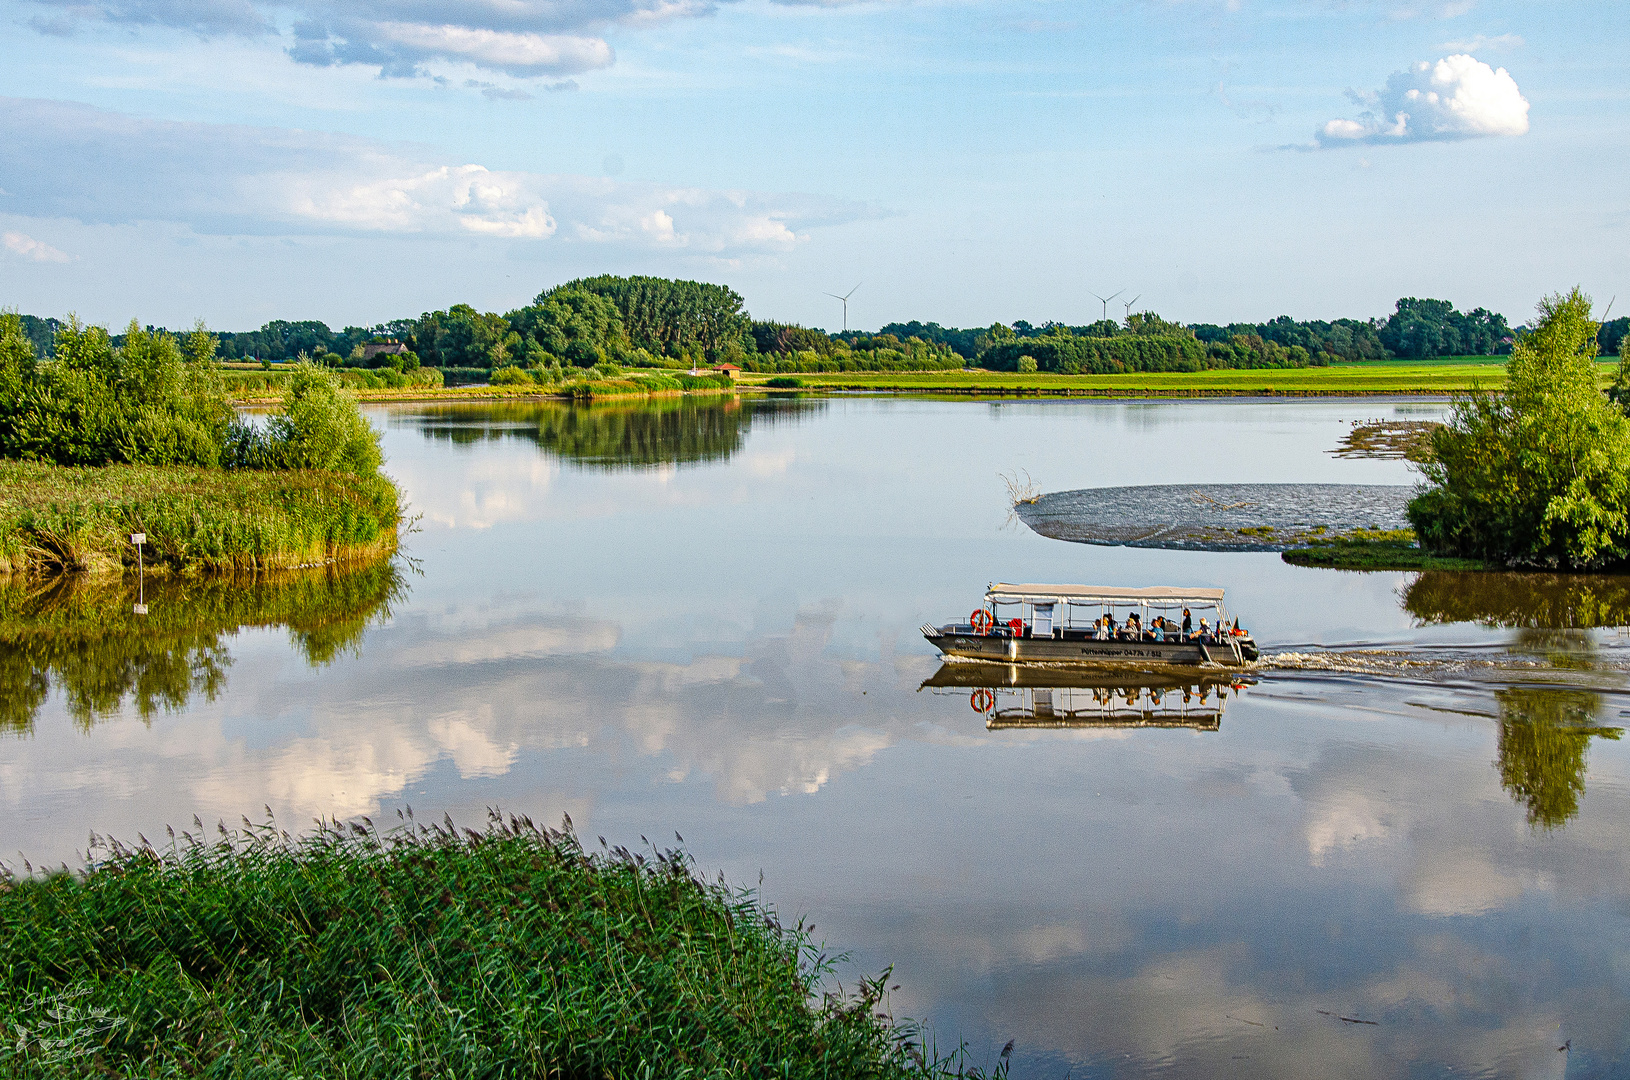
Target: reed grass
point(246, 384)
point(64, 518)
point(418, 953)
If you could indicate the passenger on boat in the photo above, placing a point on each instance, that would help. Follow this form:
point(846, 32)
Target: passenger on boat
point(1205, 631)
point(1160, 628)
point(1188, 623)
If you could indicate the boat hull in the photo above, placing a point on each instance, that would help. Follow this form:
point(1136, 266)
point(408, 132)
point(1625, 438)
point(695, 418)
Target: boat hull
point(964, 643)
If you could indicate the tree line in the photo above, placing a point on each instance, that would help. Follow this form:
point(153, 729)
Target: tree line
point(658, 322)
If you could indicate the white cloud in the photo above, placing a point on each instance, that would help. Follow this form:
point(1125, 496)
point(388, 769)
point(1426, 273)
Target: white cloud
point(77, 162)
point(1484, 43)
point(29, 248)
point(525, 38)
point(1458, 97)
point(500, 50)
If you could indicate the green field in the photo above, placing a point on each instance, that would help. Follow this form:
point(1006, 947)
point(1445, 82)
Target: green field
point(1385, 377)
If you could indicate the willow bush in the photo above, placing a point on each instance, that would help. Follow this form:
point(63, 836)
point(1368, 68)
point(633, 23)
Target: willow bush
point(1539, 474)
point(155, 401)
point(318, 427)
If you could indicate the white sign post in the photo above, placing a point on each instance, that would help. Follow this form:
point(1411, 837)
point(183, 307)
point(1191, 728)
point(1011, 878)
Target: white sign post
point(141, 578)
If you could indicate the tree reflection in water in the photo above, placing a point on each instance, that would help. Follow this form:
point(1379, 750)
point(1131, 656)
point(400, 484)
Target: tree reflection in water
point(657, 431)
point(1544, 732)
point(84, 636)
point(1537, 601)
point(1543, 737)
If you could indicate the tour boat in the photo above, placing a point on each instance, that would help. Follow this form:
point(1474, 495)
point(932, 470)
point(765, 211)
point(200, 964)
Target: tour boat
point(1087, 624)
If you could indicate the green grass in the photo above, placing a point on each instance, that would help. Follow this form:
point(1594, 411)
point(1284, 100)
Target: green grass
point(1377, 378)
point(56, 518)
point(421, 953)
point(259, 384)
point(1378, 549)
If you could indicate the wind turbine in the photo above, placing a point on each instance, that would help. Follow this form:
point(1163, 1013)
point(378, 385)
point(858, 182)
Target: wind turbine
point(1106, 300)
point(1129, 304)
point(845, 300)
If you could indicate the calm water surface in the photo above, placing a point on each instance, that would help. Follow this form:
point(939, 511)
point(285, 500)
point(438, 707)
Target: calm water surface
point(703, 619)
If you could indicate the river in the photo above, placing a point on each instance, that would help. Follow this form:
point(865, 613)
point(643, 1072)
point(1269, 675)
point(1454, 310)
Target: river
point(1402, 851)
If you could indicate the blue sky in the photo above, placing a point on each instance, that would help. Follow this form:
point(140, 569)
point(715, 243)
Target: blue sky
point(360, 160)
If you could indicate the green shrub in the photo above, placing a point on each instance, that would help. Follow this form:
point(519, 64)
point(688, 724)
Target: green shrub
point(318, 427)
point(784, 382)
point(1027, 365)
point(154, 401)
point(1538, 475)
point(510, 375)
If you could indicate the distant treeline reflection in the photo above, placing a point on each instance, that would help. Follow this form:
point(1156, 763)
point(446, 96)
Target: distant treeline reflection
point(1543, 738)
point(665, 431)
point(1539, 601)
point(85, 637)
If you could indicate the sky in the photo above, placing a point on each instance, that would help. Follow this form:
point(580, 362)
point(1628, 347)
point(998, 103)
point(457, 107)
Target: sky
point(958, 161)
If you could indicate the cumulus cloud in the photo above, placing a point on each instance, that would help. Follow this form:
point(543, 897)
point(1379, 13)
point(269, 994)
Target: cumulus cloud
point(524, 38)
point(74, 161)
point(29, 248)
point(1458, 97)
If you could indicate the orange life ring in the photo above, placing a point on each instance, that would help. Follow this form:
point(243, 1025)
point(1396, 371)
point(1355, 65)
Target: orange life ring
point(983, 700)
point(982, 621)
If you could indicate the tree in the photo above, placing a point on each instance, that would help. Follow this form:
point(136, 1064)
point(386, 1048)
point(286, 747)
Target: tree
point(671, 318)
point(774, 337)
point(1419, 328)
point(1538, 475)
point(1611, 337)
point(575, 325)
point(461, 336)
point(1148, 324)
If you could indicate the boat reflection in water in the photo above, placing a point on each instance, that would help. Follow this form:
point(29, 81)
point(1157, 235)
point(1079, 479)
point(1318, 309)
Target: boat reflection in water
point(1027, 696)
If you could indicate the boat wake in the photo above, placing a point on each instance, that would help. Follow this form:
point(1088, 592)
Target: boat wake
point(1609, 674)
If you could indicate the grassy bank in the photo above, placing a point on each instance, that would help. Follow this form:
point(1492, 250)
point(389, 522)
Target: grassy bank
point(420, 953)
point(57, 518)
point(1365, 549)
point(652, 384)
point(263, 383)
point(1343, 379)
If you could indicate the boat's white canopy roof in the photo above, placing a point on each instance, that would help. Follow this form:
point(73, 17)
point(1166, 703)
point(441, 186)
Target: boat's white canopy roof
point(1004, 593)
